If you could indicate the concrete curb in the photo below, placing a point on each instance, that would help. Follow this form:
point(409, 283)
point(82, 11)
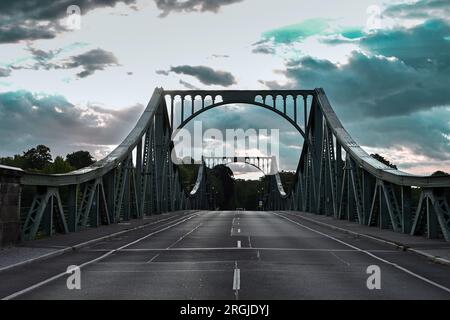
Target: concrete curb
point(400, 246)
point(79, 245)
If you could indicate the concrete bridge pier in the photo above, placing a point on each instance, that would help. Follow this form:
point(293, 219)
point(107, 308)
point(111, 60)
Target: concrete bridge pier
point(9, 205)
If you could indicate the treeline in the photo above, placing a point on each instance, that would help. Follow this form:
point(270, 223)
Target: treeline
point(39, 159)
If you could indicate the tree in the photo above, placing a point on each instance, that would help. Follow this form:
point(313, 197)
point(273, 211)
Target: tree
point(37, 158)
point(383, 160)
point(439, 173)
point(58, 166)
point(80, 159)
point(226, 178)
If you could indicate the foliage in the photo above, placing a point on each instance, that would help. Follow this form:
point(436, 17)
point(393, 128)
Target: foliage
point(58, 166)
point(80, 159)
point(39, 159)
point(383, 160)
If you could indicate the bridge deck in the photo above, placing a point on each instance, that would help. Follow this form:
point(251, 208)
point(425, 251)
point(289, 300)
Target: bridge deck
point(232, 255)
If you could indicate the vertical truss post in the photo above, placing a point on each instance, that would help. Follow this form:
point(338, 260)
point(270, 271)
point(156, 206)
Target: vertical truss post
point(368, 185)
point(432, 221)
point(72, 207)
point(159, 158)
point(384, 214)
point(138, 185)
point(109, 181)
point(339, 171)
point(94, 214)
point(406, 209)
point(47, 219)
point(127, 191)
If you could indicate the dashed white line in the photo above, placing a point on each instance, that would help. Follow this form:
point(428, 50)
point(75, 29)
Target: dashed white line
point(236, 280)
point(173, 244)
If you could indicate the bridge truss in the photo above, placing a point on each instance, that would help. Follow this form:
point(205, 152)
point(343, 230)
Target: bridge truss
point(334, 177)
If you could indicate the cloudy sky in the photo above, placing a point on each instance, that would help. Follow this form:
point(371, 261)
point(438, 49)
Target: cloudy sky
point(385, 66)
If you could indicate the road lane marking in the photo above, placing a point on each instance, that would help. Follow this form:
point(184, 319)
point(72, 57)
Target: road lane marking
point(87, 243)
point(239, 243)
point(173, 244)
point(153, 258)
point(340, 259)
point(64, 274)
point(236, 280)
point(431, 282)
point(243, 248)
point(184, 236)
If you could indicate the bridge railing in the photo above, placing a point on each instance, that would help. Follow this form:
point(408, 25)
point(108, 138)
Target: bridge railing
point(137, 178)
point(336, 177)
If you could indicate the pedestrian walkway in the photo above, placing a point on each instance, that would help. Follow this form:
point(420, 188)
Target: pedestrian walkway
point(434, 249)
point(32, 251)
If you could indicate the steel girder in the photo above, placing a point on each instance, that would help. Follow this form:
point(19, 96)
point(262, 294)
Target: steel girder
point(335, 176)
point(46, 211)
point(432, 212)
point(138, 178)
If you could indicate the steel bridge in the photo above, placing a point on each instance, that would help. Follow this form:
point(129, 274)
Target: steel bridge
point(334, 176)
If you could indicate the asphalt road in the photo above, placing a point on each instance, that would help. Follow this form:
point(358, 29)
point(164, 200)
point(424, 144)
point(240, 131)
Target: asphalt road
point(231, 255)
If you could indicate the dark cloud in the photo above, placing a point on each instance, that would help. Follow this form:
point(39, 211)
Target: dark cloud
point(188, 85)
point(57, 123)
point(33, 19)
point(419, 9)
point(264, 49)
point(4, 72)
point(91, 61)
point(162, 72)
point(424, 133)
point(373, 86)
point(168, 6)
point(206, 75)
point(395, 94)
point(424, 46)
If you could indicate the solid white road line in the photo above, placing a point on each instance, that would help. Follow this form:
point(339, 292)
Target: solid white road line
point(60, 275)
point(431, 282)
point(81, 245)
point(243, 248)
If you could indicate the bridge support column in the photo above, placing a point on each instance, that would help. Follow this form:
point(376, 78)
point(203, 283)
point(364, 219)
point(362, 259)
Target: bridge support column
point(407, 218)
point(9, 205)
